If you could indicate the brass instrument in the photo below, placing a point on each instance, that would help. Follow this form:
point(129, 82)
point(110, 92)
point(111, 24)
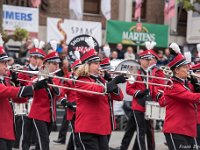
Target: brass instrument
point(42, 74)
point(132, 77)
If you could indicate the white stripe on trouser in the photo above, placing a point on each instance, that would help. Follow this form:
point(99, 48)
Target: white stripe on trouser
point(196, 144)
point(138, 132)
point(172, 141)
point(73, 136)
point(39, 140)
point(22, 136)
point(81, 141)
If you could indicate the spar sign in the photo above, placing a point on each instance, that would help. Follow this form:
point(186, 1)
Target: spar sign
point(133, 33)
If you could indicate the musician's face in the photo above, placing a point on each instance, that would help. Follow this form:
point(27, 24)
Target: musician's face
point(152, 61)
point(3, 68)
point(53, 66)
point(39, 62)
point(182, 71)
point(94, 68)
point(144, 63)
point(33, 60)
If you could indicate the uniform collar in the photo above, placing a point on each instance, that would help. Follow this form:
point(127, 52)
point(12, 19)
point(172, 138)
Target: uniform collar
point(1, 78)
point(179, 79)
point(33, 67)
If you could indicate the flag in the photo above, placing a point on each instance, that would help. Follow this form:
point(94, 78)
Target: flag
point(138, 6)
point(35, 3)
point(169, 9)
point(106, 8)
point(76, 7)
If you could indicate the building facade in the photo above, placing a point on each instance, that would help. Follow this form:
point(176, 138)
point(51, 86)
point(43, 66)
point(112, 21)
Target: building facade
point(123, 10)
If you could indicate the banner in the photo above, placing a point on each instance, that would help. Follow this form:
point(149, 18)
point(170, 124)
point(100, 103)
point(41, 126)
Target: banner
point(64, 30)
point(78, 44)
point(193, 23)
point(23, 17)
point(133, 33)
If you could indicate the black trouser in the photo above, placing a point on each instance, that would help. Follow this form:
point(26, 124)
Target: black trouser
point(179, 142)
point(73, 140)
point(43, 130)
point(29, 133)
point(6, 144)
point(63, 130)
point(143, 127)
point(198, 135)
point(150, 136)
point(89, 141)
point(129, 132)
point(19, 124)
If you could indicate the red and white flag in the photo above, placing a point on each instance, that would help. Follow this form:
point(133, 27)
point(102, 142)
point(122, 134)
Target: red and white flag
point(106, 8)
point(169, 9)
point(138, 6)
point(76, 7)
point(36, 3)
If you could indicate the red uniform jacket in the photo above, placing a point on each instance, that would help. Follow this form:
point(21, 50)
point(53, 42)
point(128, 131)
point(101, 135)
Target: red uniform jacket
point(42, 105)
point(181, 113)
point(198, 114)
point(157, 90)
point(93, 113)
point(25, 76)
point(6, 112)
point(133, 89)
point(71, 95)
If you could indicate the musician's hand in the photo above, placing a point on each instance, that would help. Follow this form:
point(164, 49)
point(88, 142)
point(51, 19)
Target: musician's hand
point(50, 80)
point(63, 102)
point(195, 84)
point(142, 94)
point(111, 86)
point(41, 84)
point(14, 78)
point(120, 79)
point(107, 76)
point(70, 105)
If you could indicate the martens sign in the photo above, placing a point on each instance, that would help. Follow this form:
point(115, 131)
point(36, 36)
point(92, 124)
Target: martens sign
point(133, 33)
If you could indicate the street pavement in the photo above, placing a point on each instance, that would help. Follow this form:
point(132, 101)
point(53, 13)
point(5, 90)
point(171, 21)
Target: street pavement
point(115, 140)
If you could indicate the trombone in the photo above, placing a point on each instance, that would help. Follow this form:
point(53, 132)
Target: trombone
point(132, 77)
point(44, 75)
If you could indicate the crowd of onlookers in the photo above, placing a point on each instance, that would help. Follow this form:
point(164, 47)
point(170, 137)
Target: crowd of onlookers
point(130, 53)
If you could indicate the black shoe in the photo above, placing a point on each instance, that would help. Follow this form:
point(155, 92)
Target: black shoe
point(117, 148)
point(59, 141)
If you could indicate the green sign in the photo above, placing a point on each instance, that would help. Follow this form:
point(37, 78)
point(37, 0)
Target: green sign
point(133, 33)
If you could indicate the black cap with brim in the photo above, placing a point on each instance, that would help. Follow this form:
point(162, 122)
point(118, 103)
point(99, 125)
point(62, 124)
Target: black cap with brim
point(4, 58)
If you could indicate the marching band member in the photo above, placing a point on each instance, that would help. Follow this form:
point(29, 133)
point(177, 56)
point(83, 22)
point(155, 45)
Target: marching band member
point(94, 117)
point(196, 70)
point(141, 94)
point(180, 125)
point(43, 107)
point(70, 103)
point(7, 134)
point(36, 61)
point(65, 123)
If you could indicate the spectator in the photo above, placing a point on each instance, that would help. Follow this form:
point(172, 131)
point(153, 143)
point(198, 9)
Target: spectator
point(167, 52)
point(162, 59)
point(11, 61)
point(120, 51)
point(129, 53)
point(114, 55)
point(140, 51)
